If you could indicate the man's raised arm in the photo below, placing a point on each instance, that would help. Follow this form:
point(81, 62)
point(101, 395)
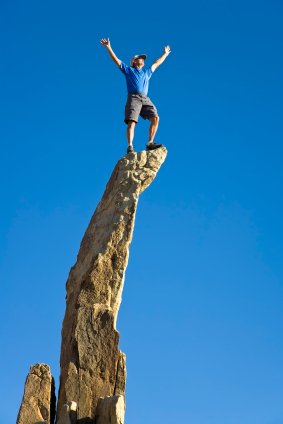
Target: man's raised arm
point(106, 43)
point(158, 62)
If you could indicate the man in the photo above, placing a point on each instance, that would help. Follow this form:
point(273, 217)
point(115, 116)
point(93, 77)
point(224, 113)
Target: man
point(138, 103)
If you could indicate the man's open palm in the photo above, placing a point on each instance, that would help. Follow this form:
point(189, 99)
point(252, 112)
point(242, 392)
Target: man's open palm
point(105, 43)
point(167, 50)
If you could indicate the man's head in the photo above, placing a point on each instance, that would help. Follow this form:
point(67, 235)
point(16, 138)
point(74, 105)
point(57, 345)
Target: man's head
point(138, 61)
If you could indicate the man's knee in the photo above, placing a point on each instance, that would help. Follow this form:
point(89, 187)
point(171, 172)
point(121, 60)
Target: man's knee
point(154, 119)
point(131, 124)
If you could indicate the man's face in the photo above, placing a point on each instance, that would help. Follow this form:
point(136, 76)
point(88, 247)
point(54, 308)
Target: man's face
point(138, 63)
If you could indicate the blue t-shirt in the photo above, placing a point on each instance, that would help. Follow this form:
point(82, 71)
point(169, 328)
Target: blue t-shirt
point(137, 79)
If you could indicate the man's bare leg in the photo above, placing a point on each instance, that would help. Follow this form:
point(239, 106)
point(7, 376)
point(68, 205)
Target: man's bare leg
point(153, 127)
point(130, 132)
point(152, 131)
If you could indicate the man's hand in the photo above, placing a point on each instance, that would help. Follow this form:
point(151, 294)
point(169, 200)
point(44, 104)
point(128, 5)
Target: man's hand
point(158, 62)
point(166, 50)
point(106, 43)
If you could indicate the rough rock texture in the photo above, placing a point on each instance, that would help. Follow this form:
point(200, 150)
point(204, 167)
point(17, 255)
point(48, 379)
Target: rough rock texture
point(38, 404)
point(111, 410)
point(64, 415)
point(73, 412)
point(92, 367)
point(121, 375)
point(68, 414)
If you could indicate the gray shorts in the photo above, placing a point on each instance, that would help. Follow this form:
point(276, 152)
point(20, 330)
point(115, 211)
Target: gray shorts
point(139, 104)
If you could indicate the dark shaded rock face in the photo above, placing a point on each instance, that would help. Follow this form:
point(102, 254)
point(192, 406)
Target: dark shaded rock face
point(92, 367)
point(38, 404)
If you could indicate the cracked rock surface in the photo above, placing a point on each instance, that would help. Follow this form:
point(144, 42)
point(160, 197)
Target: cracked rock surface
point(38, 404)
point(92, 367)
point(111, 410)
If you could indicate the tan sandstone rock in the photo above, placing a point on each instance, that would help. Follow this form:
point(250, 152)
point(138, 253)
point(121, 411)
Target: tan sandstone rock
point(38, 404)
point(64, 415)
point(111, 410)
point(92, 367)
point(68, 414)
point(73, 412)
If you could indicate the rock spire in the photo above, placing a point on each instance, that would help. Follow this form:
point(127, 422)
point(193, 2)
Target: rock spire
point(92, 367)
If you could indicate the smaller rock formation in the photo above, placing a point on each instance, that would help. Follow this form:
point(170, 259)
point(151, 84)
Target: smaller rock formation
point(121, 375)
point(72, 412)
point(64, 415)
point(68, 414)
point(111, 410)
point(38, 404)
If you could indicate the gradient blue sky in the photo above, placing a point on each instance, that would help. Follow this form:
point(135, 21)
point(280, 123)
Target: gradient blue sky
point(201, 316)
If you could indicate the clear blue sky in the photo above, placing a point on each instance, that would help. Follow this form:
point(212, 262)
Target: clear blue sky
point(201, 316)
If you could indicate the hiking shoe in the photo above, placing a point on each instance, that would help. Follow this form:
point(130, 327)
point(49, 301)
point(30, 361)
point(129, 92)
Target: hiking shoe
point(153, 146)
point(130, 148)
